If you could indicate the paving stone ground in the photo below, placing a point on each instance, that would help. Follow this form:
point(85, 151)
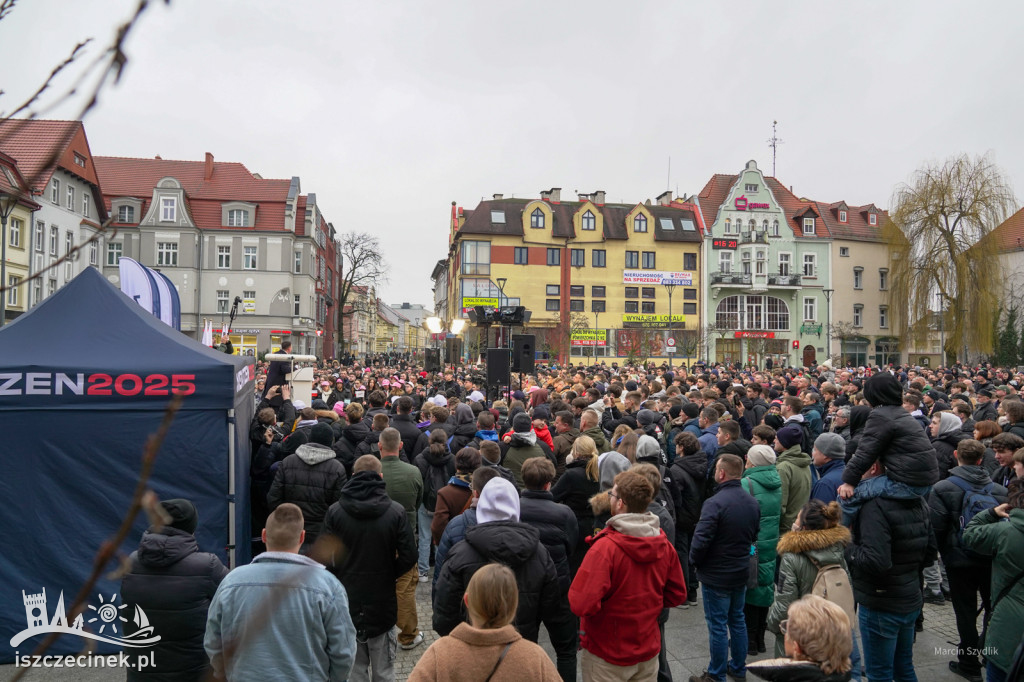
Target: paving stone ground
point(686, 636)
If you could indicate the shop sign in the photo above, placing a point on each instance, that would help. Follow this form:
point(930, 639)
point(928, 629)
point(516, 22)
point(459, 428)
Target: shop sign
point(470, 303)
point(589, 337)
point(657, 277)
point(649, 321)
point(754, 335)
point(245, 331)
point(724, 243)
point(742, 204)
point(249, 306)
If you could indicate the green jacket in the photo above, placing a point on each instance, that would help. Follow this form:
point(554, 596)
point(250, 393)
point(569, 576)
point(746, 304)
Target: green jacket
point(600, 441)
point(797, 572)
point(516, 455)
point(767, 490)
point(795, 471)
point(404, 484)
point(985, 534)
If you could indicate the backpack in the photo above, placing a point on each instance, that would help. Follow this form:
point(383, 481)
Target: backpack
point(975, 501)
point(664, 496)
point(807, 438)
point(833, 584)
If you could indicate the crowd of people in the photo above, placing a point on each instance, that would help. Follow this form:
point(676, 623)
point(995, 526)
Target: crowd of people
point(823, 506)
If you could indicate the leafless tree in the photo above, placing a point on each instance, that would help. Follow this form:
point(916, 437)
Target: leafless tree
point(362, 266)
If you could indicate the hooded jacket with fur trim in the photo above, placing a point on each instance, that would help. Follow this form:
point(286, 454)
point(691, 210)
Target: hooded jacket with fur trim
point(797, 571)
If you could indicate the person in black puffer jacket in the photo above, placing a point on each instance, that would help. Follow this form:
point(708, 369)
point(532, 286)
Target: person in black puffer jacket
point(500, 537)
point(465, 427)
point(689, 472)
point(312, 479)
point(575, 487)
point(373, 546)
point(414, 441)
point(437, 466)
point(351, 436)
point(173, 583)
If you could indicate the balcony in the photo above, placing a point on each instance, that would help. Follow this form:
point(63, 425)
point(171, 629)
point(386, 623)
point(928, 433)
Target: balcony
point(784, 280)
point(755, 237)
point(730, 279)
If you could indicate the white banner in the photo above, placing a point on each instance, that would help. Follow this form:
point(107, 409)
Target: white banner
point(657, 277)
point(138, 284)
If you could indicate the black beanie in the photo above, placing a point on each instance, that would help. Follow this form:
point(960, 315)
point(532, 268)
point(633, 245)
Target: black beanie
point(322, 434)
point(691, 410)
point(521, 423)
point(183, 514)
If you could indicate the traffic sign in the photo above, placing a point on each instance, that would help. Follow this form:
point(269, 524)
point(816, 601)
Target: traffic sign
point(671, 342)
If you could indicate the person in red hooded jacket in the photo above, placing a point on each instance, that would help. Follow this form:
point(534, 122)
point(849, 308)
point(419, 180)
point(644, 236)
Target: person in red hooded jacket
point(630, 573)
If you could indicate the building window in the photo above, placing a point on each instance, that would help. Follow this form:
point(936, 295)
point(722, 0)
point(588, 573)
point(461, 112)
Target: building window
point(522, 255)
point(552, 305)
point(746, 261)
point(296, 305)
point(71, 198)
point(12, 289)
point(238, 217)
point(597, 258)
point(809, 265)
point(647, 292)
point(554, 256)
point(37, 291)
point(597, 292)
point(883, 279)
point(689, 294)
point(577, 290)
point(14, 230)
point(54, 236)
point(51, 287)
point(858, 316)
point(597, 306)
point(476, 258)
point(775, 228)
point(632, 292)
point(649, 260)
point(647, 307)
point(37, 238)
point(536, 219)
point(689, 309)
point(55, 191)
point(126, 214)
point(114, 250)
point(761, 262)
point(224, 257)
point(858, 278)
point(785, 264)
point(844, 251)
point(872, 219)
point(249, 297)
point(749, 187)
point(689, 261)
point(168, 209)
point(666, 224)
point(810, 309)
point(69, 246)
point(842, 216)
point(498, 217)
point(85, 204)
point(552, 290)
point(93, 252)
point(640, 223)
point(632, 259)
point(223, 298)
point(725, 262)
point(808, 226)
point(167, 253)
point(577, 257)
point(249, 258)
point(589, 222)
point(883, 317)
point(632, 306)
point(732, 227)
point(298, 262)
point(575, 305)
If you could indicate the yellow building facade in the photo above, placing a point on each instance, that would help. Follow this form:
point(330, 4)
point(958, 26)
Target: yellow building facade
point(600, 279)
point(17, 204)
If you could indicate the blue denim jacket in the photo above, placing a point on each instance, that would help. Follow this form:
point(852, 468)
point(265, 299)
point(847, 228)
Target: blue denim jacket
point(289, 618)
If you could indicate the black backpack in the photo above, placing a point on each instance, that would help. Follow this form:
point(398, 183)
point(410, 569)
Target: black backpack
point(806, 438)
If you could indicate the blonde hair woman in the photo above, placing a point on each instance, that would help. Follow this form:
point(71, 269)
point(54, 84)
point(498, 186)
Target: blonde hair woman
point(818, 644)
point(488, 647)
point(574, 489)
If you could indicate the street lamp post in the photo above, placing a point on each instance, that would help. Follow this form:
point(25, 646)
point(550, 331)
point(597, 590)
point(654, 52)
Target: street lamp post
point(670, 287)
point(828, 322)
point(501, 302)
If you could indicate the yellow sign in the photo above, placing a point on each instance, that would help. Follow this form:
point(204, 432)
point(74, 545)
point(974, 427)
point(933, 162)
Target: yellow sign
point(589, 337)
point(648, 318)
point(473, 302)
point(249, 306)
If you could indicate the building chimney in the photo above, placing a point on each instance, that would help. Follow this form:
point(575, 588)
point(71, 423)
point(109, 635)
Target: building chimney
point(498, 197)
point(581, 197)
point(598, 197)
point(556, 194)
point(208, 173)
point(665, 198)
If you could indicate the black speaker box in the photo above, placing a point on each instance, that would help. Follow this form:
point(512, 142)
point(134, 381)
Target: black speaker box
point(498, 361)
point(523, 346)
point(432, 360)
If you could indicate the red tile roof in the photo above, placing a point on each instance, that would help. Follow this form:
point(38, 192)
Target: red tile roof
point(716, 191)
point(1010, 233)
point(41, 146)
point(19, 187)
point(857, 226)
point(127, 177)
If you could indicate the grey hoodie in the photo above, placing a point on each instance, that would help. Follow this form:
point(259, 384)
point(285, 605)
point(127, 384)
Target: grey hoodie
point(644, 525)
point(314, 453)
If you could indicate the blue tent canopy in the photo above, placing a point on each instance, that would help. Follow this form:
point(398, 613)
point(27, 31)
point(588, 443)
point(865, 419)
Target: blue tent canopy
point(85, 378)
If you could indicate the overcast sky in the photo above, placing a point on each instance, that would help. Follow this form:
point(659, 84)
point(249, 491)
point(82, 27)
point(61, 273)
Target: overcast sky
point(390, 111)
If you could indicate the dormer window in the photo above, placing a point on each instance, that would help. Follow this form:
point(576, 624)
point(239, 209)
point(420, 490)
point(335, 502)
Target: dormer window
point(536, 219)
point(498, 217)
point(809, 226)
point(872, 219)
point(238, 217)
point(589, 222)
point(842, 216)
point(640, 223)
point(750, 187)
point(125, 214)
point(168, 209)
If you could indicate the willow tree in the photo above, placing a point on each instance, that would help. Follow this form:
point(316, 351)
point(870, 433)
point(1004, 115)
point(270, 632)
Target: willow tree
point(938, 230)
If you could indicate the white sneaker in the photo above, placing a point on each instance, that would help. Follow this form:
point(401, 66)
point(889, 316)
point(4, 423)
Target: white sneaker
point(414, 643)
point(424, 577)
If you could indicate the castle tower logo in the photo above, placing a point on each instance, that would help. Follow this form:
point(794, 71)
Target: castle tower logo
point(106, 622)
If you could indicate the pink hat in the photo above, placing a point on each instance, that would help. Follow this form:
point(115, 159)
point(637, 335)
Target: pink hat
point(385, 383)
point(339, 407)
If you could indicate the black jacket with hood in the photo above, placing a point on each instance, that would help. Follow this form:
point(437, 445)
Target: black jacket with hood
point(312, 479)
point(892, 434)
point(346, 445)
point(413, 440)
point(375, 546)
point(689, 474)
point(436, 470)
point(557, 527)
point(174, 583)
point(946, 503)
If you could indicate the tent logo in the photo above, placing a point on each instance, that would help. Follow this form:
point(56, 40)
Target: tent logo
point(105, 618)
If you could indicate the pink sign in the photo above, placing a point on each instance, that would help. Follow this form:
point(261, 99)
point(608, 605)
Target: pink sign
point(742, 204)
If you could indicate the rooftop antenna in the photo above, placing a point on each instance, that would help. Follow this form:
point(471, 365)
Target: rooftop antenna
point(668, 177)
point(774, 143)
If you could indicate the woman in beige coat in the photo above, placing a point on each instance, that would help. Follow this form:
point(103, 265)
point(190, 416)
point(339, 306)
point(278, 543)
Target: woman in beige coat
point(490, 648)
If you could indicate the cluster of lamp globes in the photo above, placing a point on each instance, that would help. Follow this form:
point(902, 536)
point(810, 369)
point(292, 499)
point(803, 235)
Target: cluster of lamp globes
point(435, 325)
